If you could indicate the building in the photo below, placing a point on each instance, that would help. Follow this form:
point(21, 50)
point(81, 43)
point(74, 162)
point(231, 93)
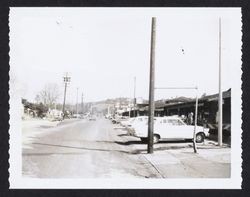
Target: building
point(182, 106)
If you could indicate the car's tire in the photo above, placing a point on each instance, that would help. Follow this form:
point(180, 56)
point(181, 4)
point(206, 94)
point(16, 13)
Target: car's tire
point(200, 138)
point(156, 139)
point(144, 139)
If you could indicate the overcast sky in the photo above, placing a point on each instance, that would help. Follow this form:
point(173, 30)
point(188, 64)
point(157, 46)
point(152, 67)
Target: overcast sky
point(104, 49)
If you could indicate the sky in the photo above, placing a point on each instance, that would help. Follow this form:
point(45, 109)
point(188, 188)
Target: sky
point(103, 49)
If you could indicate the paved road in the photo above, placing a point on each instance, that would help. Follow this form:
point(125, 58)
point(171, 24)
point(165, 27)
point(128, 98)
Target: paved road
point(99, 149)
point(84, 149)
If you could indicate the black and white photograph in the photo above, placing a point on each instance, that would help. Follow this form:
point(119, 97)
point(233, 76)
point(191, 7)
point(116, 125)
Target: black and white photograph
point(130, 98)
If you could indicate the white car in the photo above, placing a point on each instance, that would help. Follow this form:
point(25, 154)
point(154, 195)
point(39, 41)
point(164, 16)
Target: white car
point(170, 128)
point(127, 122)
point(137, 121)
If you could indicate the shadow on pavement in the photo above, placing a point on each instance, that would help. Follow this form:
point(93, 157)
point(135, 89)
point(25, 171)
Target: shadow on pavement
point(173, 142)
point(120, 128)
point(102, 141)
point(44, 127)
point(171, 148)
point(129, 142)
point(140, 142)
point(125, 134)
point(179, 144)
point(84, 148)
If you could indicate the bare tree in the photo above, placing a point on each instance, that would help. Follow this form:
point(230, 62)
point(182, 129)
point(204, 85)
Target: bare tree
point(48, 95)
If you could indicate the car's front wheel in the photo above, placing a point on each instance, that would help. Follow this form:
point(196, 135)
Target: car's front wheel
point(144, 139)
point(200, 137)
point(156, 139)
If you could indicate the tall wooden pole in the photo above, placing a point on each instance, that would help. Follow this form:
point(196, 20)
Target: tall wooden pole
point(82, 105)
point(76, 101)
point(64, 99)
point(134, 103)
point(220, 93)
point(195, 121)
point(151, 89)
point(66, 80)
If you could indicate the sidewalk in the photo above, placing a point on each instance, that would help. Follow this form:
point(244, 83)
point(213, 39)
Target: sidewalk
point(184, 163)
point(178, 160)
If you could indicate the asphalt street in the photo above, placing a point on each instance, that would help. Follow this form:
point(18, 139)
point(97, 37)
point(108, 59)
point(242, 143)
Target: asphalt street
point(84, 149)
point(99, 149)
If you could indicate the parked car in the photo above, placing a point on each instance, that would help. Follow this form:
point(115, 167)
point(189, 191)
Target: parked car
point(134, 122)
point(115, 120)
point(119, 119)
point(170, 128)
point(127, 122)
point(138, 120)
point(76, 116)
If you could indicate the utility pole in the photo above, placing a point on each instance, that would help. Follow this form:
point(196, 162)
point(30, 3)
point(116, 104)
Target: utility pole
point(195, 121)
point(129, 109)
point(134, 95)
point(82, 104)
point(151, 89)
point(220, 92)
point(76, 101)
point(66, 80)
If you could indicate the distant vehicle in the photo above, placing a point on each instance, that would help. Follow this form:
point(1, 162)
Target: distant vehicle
point(170, 128)
point(57, 119)
point(92, 118)
point(122, 119)
point(127, 122)
point(108, 116)
point(76, 115)
point(114, 120)
point(118, 119)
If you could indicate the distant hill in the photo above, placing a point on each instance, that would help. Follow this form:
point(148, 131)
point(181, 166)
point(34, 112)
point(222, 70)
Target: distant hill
point(104, 105)
point(112, 102)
